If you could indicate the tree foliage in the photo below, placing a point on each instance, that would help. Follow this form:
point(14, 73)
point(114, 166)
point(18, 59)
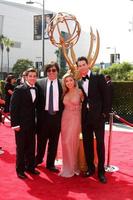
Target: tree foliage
point(21, 65)
point(120, 72)
point(96, 69)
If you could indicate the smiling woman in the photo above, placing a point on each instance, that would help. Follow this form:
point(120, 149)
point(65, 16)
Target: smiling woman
point(70, 126)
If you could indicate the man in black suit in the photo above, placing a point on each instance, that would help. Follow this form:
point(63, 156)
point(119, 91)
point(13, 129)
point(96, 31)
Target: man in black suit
point(49, 116)
point(94, 111)
point(23, 107)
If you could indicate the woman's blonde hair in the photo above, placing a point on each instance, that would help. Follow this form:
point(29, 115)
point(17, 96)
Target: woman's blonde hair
point(65, 89)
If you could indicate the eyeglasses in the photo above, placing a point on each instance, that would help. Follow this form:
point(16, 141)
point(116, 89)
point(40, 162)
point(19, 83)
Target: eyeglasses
point(51, 70)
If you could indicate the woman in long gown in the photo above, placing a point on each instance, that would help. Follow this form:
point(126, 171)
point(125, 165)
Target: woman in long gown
point(70, 126)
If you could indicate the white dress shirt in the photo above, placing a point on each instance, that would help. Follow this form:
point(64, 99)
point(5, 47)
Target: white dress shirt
point(55, 95)
point(32, 91)
point(86, 83)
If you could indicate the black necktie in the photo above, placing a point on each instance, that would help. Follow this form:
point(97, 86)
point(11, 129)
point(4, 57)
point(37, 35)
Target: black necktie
point(32, 88)
point(50, 108)
point(86, 77)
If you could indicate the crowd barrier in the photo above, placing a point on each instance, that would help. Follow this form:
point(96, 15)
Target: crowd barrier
point(122, 120)
point(108, 167)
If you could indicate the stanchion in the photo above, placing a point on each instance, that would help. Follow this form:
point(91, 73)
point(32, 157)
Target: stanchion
point(110, 168)
point(122, 120)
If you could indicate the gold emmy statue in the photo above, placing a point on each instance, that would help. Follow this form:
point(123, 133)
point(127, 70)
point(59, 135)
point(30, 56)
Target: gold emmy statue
point(64, 22)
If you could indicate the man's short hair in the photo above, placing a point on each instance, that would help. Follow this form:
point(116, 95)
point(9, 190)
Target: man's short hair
point(31, 69)
point(81, 59)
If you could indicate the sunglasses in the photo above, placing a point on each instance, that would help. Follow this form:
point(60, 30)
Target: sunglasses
point(51, 70)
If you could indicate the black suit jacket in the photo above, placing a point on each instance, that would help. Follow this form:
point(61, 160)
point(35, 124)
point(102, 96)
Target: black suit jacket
point(22, 108)
point(42, 85)
point(97, 98)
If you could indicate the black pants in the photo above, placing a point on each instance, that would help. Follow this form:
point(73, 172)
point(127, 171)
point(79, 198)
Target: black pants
point(88, 130)
point(48, 134)
point(25, 150)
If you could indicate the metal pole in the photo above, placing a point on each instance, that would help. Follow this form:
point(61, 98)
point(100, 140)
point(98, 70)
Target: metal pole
point(110, 137)
point(110, 168)
point(43, 13)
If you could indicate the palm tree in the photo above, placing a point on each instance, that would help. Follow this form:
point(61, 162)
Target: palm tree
point(2, 50)
point(8, 43)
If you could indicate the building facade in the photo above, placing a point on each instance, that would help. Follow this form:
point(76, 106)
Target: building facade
point(18, 23)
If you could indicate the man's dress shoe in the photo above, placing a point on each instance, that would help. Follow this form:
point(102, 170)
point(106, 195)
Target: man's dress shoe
point(33, 171)
point(53, 169)
point(37, 163)
point(88, 173)
point(102, 178)
point(21, 175)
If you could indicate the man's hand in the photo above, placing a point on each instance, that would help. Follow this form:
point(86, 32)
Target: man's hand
point(17, 129)
point(2, 101)
point(104, 115)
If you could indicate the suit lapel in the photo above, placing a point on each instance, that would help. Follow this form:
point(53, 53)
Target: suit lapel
point(90, 83)
point(29, 95)
point(60, 89)
point(36, 93)
point(45, 87)
point(80, 84)
point(28, 91)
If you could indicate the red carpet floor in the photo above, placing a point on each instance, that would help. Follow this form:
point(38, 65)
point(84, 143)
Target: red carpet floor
point(49, 186)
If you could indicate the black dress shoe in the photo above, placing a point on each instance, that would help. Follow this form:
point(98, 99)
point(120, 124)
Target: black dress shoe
point(88, 173)
point(102, 178)
point(53, 169)
point(33, 171)
point(21, 175)
point(37, 163)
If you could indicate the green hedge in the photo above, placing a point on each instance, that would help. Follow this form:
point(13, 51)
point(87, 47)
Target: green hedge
point(123, 100)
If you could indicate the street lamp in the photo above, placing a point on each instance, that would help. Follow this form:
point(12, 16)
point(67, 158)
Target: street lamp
point(42, 4)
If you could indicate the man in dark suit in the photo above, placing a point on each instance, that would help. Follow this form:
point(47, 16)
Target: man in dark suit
point(23, 107)
point(49, 116)
point(94, 111)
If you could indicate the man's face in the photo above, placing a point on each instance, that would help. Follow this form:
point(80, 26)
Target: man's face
point(82, 67)
point(52, 73)
point(31, 78)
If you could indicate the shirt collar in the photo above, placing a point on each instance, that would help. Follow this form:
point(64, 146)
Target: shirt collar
point(89, 73)
point(55, 80)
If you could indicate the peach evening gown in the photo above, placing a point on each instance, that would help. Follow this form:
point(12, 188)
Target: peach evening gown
point(70, 131)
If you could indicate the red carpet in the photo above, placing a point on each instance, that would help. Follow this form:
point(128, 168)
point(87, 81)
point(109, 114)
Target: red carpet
point(49, 186)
